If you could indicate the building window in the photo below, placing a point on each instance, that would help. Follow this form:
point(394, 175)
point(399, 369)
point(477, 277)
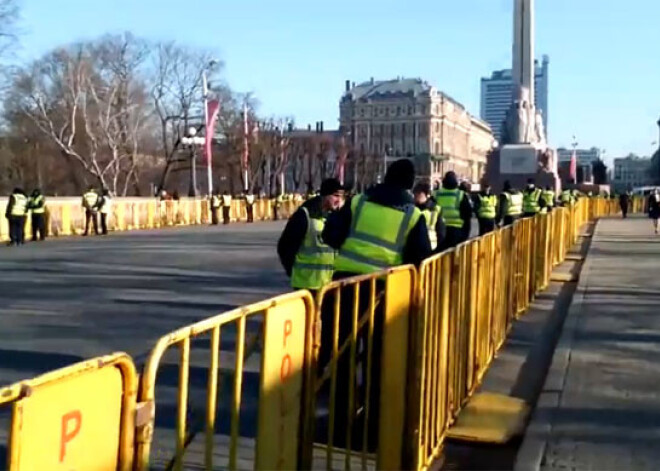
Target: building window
point(437, 148)
point(362, 112)
point(398, 110)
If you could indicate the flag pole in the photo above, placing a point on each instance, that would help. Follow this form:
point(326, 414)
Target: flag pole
point(205, 92)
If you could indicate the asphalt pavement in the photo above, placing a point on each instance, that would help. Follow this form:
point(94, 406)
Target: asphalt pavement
point(69, 299)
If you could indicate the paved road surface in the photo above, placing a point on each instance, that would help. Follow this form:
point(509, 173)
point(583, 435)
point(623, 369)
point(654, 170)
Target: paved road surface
point(600, 406)
point(75, 298)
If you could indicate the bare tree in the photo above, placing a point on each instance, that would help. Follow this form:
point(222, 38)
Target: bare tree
point(8, 17)
point(87, 100)
point(177, 93)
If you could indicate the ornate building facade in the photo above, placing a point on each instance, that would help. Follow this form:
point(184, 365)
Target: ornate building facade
point(387, 120)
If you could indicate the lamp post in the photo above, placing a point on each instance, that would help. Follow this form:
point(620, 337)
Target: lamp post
point(191, 140)
point(205, 94)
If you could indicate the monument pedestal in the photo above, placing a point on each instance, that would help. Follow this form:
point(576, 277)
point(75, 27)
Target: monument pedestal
point(517, 163)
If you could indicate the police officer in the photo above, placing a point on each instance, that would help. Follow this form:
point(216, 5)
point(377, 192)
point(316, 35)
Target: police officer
point(226, 207)
point(16, 213)
point(277, 206)
point(548, 196)
point(432, 213)
point(306, 259)
point(624, 202)
point(510, 206)
point(486, 210)
point(379, 229)
point(566, 198)
point(37, 204)
point(456, 211)
point(90, 202)
point(105, 208)
point(532, 201)
point(249, 206)
point(216, 203)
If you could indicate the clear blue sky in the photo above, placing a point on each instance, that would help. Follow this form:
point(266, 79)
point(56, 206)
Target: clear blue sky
point(296, 54)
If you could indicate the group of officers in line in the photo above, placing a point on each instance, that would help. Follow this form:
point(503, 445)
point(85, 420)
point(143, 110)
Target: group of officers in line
point(221, 203)
point(20, 206)
point(393, 223)
point(396, 223)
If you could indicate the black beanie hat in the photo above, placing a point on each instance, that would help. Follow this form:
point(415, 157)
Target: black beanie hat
point(401, 173)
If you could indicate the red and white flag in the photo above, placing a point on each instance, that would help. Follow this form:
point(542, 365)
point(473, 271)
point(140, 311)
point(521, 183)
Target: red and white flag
point(212, 111)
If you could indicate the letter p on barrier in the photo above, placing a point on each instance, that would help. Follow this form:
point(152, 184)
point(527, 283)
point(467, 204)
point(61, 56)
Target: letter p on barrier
point(69, 432)
point(78, 417)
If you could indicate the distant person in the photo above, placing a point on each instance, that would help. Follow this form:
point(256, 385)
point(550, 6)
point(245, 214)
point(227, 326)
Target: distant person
point(249, 206)
point(431, 212)
point(510, 205)
point(16, 214)
point(456, 211)
point(105, 208)
point(548, 196)
point(486, 210)
point(216, 204)
point(90, 201)
point(654, 208)
point(532, 201)
point(37, 205)
point(226, 207)
point(624, 202)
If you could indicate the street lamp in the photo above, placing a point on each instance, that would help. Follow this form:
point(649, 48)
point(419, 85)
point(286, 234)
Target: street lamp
point(205, 94)
point(191, 140)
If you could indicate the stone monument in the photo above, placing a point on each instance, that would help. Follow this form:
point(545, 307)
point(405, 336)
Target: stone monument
point(523, 152)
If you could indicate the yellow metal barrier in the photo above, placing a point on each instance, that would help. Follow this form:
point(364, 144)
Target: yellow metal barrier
point(285, 324)
point(359, 378)
point(78, 417)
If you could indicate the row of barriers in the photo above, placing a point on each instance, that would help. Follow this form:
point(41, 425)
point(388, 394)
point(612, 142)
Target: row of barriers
point(369, 374)
point(66, 216)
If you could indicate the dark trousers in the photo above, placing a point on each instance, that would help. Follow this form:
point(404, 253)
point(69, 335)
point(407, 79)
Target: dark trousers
point(624, 209)
point(104, 223)
point(275, 211)
point(486, 226)
point(225, 214)
point(454, 237)
point(250, 212)
point(529, 215)
point(90, 217)
point(509, 220)
point(38, 226)
point(359, 380)
point(214, 216)
point(17, 229)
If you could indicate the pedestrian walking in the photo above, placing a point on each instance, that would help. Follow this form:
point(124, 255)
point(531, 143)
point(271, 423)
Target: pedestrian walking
point(510, 205)
point(624, 202)
point(306, 259)
point(16, 214)
point(105, 209)
point(37, 205)
point(378, 229)
point(226, 207)
point(216, 204)
point(486, 210)
point(654, 208)
point(432, 214)
point(90, 201)
point(456, 211)
point(249, 206)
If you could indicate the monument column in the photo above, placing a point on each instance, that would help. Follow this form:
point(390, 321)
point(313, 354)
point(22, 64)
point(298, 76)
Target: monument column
point(523, 50)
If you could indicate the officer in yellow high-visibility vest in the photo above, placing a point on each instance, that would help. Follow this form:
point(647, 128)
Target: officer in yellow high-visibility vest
point(566, 198)
point(226, 207)
point(216, 204)
point(306, 259)
point(431, 212)
point(16, 214)
point(510, 205)
point(378, 229)
point(486, 209)
point(37, 205)
point(532, 201)
point(90, 202)
point(456, 211)
point(548, 196)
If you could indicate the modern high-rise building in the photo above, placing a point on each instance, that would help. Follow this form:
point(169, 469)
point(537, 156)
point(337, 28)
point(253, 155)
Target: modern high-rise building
point(497, 96)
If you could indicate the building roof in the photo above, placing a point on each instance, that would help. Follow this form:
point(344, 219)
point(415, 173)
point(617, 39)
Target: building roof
point(375, 89)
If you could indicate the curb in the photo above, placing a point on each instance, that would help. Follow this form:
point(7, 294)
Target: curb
point(538, 433)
